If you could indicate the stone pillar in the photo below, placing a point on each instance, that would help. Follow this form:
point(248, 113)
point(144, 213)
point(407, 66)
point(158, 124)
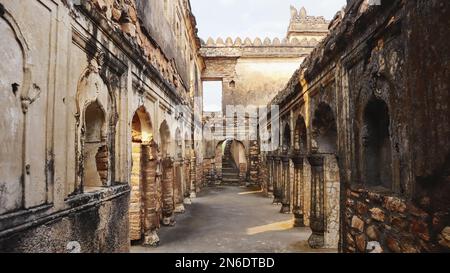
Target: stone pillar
point(306, 192)
point(178, 187)
point(298, 190)
point(285, 185)
point(270, 177)
point(254, 162)
point(187, 182)
point(168, 192)
point(150, 192)
point(276, 181)
point(193, 175)
point(134, 212)
point(331, 204)
point(317, 221)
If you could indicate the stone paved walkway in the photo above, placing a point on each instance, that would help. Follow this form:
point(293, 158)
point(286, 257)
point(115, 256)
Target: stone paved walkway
point(232, 220)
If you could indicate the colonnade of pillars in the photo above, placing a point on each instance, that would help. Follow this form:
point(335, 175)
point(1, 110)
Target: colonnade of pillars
point(160, 188)
point(308, 187)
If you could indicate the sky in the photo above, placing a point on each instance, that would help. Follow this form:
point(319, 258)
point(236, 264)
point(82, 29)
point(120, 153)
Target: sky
point(254, 18)
point(250, 18)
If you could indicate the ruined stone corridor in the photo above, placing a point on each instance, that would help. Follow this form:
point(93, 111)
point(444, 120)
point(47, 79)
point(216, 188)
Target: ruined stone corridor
point(332, 136)
point(232, 219)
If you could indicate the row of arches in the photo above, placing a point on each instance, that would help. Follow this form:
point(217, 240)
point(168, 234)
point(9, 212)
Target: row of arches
point(304, 173)
point(375, 144)
point(159, 182)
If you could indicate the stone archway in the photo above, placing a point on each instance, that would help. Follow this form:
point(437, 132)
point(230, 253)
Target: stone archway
point(143, 214)
point(325, 180)
point(231, 157)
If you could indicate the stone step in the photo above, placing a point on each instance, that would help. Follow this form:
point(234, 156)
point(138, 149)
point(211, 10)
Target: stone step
point(230, 169)
point(230, 180)
point(230, 174)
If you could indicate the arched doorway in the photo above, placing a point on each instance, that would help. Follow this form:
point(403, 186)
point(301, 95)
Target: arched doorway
point(144, 219)
point(232, 155)
point(325, 181)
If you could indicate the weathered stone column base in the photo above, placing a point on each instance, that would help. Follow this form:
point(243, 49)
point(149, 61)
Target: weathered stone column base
point(179, 208)
point(193, 194)
point(187, 201)
point(168, 221)
point(285, 208)
point(151, 239)
point(298, 219)
point(316, 240)
point(276, 201)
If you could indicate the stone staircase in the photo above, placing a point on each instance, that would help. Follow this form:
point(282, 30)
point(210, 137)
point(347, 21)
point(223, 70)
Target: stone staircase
point(230, 172)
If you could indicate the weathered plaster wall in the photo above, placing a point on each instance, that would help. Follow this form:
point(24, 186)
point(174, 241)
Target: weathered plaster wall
point(100, 226)
point(74, 57)
point(256, 79)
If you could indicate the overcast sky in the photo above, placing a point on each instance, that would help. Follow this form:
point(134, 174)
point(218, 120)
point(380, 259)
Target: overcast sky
point(254, 18)
point(250, 18)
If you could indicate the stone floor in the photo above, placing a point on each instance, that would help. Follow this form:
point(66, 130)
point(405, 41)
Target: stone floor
point(232, 220)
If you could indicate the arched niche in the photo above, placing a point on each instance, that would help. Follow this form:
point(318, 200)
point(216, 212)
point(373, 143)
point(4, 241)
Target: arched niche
point(324, 130)
point(94, 131)
point(95, 150)
point(301, 135)
point(13, 85)
point(377, 156)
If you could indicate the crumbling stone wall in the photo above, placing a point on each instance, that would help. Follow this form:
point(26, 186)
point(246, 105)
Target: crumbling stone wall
point(384, 54)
